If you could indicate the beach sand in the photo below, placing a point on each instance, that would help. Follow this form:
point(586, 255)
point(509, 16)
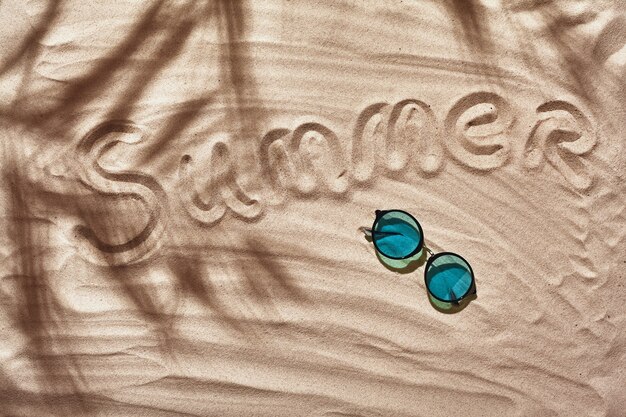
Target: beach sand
point(184, 183)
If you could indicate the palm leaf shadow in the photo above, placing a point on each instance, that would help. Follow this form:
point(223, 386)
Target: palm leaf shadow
point(40, 317)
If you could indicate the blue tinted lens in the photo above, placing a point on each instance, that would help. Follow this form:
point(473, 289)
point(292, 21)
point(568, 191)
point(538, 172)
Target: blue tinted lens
point(396, 234)
point(449, 277)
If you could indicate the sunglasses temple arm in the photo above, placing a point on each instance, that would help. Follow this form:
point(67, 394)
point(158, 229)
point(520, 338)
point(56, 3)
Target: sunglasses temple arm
point(454, 297)
point(370, 232)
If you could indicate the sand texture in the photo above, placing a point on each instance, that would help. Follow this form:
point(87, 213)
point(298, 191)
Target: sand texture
point(183, 185)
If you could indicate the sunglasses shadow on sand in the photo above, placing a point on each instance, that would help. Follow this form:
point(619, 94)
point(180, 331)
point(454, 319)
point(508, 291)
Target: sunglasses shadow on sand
point(399, 242)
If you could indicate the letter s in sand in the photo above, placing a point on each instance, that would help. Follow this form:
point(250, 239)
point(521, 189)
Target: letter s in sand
point(118, 184)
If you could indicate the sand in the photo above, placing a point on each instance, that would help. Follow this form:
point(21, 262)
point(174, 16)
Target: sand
point(184, 183)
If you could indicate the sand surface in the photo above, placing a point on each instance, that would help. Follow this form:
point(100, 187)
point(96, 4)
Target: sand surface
point(183, 184)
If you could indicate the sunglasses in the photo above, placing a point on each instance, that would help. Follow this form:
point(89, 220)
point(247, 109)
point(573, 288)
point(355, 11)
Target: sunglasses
point(398, 235)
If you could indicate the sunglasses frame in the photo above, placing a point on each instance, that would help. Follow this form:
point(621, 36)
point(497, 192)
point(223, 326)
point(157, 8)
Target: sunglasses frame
point(433, 256)
point(470, 290)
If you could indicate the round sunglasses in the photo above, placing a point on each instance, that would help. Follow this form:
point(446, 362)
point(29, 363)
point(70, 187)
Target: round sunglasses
point(398, 235)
